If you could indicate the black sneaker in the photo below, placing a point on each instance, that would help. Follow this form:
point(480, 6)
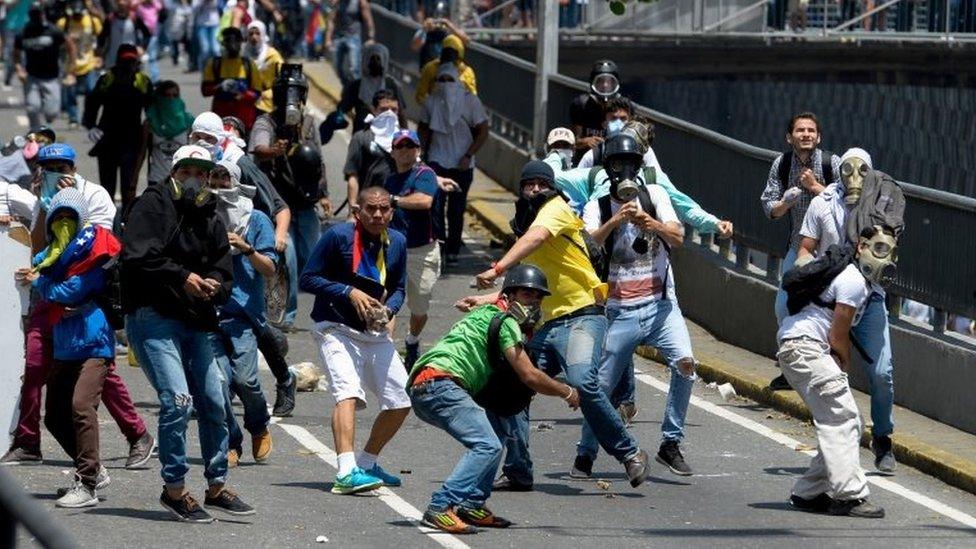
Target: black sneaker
point(22, 456)
point(185, 509)
point(779, 383)
point(884, 458)
point(228, 502)
point(140, 451)
point(582, 467)
point(860, 508)
point(819, 504)
point(637, 468)
point(506, 484)
point(285, 398)
point(413, 353)
point(670, 455)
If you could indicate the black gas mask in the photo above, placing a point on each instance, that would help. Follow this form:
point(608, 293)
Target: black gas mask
point(289, 93)
point(193, 196)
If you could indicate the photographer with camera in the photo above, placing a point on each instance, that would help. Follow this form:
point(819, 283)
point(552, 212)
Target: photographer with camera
point(428, 40)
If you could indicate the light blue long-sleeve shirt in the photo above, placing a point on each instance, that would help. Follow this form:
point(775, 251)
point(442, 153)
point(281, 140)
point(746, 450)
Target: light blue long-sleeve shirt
point(574, 183)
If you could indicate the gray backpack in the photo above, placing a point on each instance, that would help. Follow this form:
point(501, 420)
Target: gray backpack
point(882, 203)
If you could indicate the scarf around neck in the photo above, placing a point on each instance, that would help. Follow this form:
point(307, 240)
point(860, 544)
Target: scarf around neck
point(168, 117)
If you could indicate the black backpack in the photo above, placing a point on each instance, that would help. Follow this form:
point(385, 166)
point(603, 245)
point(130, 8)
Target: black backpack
point(606, 213)
point(783, 173)
point(803, 285)
point(109, 300)
point(504, 395)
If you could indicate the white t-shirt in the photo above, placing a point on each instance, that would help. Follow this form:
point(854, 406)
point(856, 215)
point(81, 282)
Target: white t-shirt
point(446, 149)
point(101, 208)
point(650, 159)
point(636, 279)
point(813, 321)
point(824, 220)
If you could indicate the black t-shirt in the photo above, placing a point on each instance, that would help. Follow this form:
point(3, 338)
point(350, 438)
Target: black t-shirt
point(369, 163)
point(587, 112)
point(41, 45)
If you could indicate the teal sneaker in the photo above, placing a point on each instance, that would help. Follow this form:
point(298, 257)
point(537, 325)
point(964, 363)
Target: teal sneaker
point(355, 482)
point(387, 478)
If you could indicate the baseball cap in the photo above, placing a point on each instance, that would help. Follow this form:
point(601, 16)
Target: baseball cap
point(400, 135)
point(56, 151)
point(561, 134)
point(193, 155)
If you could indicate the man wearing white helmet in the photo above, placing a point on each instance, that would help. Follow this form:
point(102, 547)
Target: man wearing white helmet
point(177, 269)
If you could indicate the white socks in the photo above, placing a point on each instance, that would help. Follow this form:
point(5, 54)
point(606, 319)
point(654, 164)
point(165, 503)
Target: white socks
point(347, 462)
point(411, 339)
point(365, 460)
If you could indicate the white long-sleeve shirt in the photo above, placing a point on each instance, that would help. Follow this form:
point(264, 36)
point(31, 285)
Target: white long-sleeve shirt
point(101, 208)
point(16, 200)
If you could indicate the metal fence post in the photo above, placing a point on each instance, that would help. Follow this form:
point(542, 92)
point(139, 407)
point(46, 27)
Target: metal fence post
point(547, 63)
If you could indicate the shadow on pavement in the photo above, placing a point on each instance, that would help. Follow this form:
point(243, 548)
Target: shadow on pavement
point(784, 471)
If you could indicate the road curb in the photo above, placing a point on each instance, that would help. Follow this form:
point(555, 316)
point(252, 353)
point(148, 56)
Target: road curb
point(332, 94)
point(908, 450)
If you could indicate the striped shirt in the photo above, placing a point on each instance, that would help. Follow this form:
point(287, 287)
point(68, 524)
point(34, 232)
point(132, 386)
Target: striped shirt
point(773, 192)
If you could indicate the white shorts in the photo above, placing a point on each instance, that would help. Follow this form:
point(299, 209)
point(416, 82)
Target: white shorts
point(355, 361)
point(423, 269)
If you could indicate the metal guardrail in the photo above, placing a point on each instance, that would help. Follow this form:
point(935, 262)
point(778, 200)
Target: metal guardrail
point(937, 251)
point(16, 507)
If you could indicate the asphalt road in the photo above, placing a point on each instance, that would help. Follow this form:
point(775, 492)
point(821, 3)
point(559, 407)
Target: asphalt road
point(745, 458)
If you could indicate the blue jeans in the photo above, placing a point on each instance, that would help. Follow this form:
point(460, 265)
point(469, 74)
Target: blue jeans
point(237, 355)
point(152, 52)
point(84, 84)
point(780, 306)
point(304, 231)
point(873, 336)
point(348, 49)
point(179, 362)
point(208, 44)
point(575, 346)
point(660, 325)
point(445, 405)
point(513, 431)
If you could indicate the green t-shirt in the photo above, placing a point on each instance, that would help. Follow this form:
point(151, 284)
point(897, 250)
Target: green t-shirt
point(463, 351)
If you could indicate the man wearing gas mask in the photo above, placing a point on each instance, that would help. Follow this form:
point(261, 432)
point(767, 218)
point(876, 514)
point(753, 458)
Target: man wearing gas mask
point(177, 269)
point(587, 111)
point(863, 198)
point(572, 336)
point(815, 354)
point(286, 145)
point(234, 82)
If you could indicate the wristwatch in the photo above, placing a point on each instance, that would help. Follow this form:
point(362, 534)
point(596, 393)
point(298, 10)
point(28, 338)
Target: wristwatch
point(394, 199)
point(250, 251)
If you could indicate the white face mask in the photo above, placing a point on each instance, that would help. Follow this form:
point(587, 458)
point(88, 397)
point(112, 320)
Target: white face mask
point(614, 127)
point(383, 127)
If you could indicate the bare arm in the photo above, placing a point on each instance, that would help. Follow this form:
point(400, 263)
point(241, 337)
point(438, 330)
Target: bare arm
point(262, 264)
point(415, 201)
point(808, 247)
point(282, 221)
point(840, 335)
point(368, 19)
point(672, 232)
point(534, 377)
point(528, 243)
point(480, 137)
point(352, 192)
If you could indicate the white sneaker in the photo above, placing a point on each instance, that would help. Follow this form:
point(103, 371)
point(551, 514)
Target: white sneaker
point(77, 496)
point(102, 480)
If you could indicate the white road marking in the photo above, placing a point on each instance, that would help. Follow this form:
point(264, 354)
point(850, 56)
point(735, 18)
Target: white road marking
point(12, 101)
point(22, 120)
point(792, 443)
point(393, 501)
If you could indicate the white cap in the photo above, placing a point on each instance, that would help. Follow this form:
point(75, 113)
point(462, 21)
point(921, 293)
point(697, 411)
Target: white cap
point(561, 134)
point(193, 155)
point(857, 153)
point(209, 123)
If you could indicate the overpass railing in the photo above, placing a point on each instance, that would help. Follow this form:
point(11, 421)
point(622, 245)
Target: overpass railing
point(937, 252)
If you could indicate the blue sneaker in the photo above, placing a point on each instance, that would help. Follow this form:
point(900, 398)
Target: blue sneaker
point(387, 478)
point(355, 482)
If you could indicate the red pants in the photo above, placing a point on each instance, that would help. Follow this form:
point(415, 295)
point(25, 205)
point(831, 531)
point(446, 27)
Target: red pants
point(40, 351)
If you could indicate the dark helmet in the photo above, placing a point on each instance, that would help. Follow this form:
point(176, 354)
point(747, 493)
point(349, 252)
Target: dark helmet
point(603, 66)
point(622, 145)
point(526, 276)
point(290, 77)
point(604, 80)
point(306, 163)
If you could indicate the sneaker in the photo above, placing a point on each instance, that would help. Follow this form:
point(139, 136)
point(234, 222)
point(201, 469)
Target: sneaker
point(819, 504)
point(447, 521)
point(233, 458)
point(285, 398)
point(102, 480)
point(77, 496)
point(508, 484)
point(261, 446)
point(779, 383)
point(637, 468)
point(627, 411)
point(884, 458)
point(228, 502)
point(413, 353)
point(860, 508)
point(387, 478)
point(355, 482)
point(22, 456)
point(582, 467)
point(185, 509)
point(482, 518)
point(670, 455)
point(140, 451)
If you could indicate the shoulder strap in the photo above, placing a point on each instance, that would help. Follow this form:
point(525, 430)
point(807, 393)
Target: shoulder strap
point(785, 163)
point(494, 328)
point(650, 175)
point(605, 214)
point(591, 177)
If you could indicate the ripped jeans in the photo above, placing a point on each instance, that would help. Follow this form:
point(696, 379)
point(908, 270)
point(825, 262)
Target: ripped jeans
point(658, 324)
point(836, 469)
point(179, 362)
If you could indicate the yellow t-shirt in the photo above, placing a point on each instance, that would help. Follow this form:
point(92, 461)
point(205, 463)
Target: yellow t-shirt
point(233, 68)
point(85, 33)
point(572, 281)
point(272, 64)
